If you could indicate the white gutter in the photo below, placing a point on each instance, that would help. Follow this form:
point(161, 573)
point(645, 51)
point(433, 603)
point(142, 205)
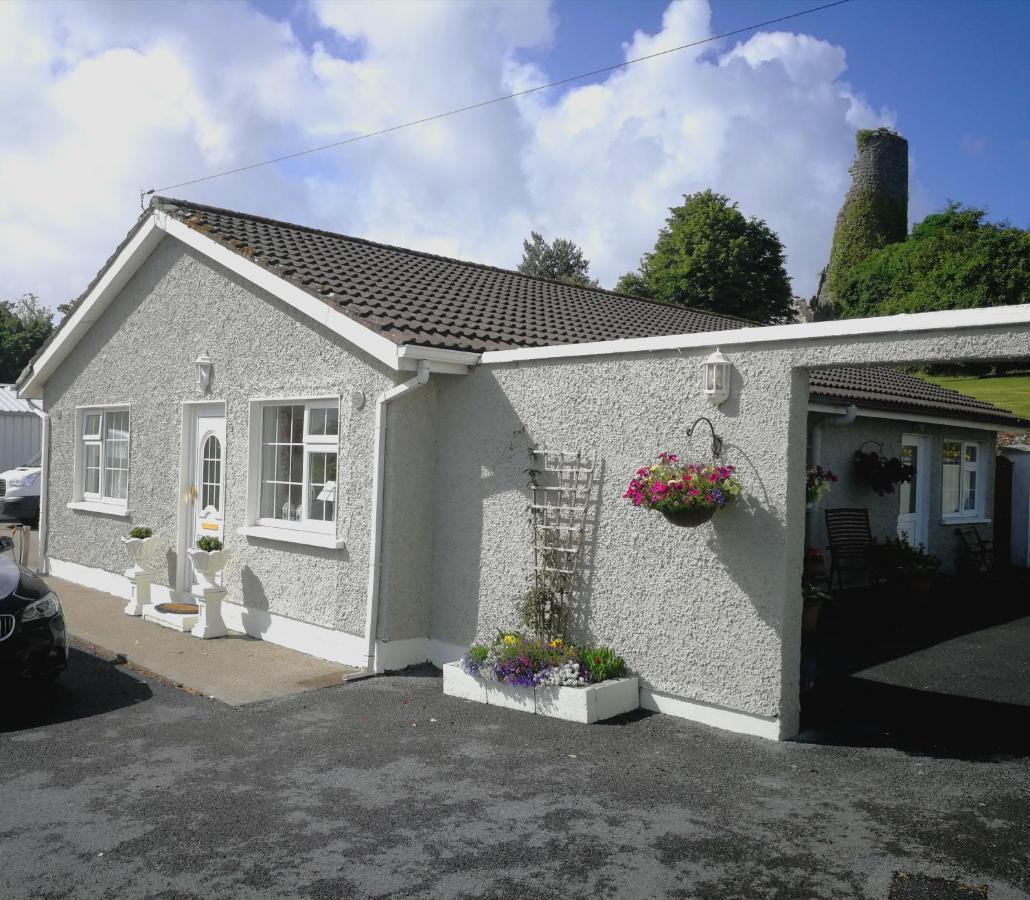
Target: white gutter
point(902, 416)
point(378, 492)
point(42, 563)
point(815, 451)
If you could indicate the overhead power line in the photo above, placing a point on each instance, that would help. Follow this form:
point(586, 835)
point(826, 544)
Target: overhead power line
point(482, 103)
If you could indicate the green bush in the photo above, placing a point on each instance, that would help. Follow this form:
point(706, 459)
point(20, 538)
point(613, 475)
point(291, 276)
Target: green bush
point(208, 543)
point(141, 531)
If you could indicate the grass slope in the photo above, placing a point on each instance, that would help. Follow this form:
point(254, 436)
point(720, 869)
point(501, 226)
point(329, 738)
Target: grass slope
point(1009, 391)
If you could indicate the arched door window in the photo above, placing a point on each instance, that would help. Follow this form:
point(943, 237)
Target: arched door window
point(211, 469)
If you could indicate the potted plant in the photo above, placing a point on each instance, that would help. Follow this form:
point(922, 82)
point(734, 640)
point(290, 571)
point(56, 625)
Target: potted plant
point(897, 561)
point(142, 547)
point(686, 494)
point(881, 473)
point(815, 565)
point(818, 484)
point(208, 560)
point(813, 600)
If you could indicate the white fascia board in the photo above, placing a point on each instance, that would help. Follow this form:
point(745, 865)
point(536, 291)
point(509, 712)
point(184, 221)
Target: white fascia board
point(132, 256)
point(907, 323)
point(902, 416)
point(378, 347)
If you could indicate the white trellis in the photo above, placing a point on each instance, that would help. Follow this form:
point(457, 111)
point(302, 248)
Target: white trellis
point(561, 487)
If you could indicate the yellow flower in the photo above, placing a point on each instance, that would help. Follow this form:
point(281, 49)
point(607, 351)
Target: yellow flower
point(510, 639)
point(556, 643)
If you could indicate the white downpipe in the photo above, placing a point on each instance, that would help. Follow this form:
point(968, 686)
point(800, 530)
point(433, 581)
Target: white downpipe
point(378, 493)
point(42, 564)
point(815, 453)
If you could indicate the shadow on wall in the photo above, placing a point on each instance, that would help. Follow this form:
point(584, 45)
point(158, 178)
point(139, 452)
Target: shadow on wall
point(172, 568)
point(482, 486)
point(256, 617)
point(751, 540)
point(580, 613)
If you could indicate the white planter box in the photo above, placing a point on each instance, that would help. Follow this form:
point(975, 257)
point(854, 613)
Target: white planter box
point(575, 704)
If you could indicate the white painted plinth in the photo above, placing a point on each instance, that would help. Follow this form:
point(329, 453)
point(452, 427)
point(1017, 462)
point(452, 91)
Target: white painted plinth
point(592, 703)
point(210, 623)
point(140, 592)
point(176, 621)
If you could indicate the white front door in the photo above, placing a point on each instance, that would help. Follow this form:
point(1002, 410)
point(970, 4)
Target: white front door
point(914, 497)
point(207, 483)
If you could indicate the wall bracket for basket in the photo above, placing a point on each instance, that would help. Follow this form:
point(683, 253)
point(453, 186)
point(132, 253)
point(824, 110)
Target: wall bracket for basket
point(716, 439)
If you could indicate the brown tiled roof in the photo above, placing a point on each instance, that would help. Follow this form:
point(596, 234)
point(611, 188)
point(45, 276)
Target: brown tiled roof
point(886, 388)
point(418, 298)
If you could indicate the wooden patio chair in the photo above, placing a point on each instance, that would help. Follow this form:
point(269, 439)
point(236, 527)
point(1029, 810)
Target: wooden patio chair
point(979, 552)
point(847, 529)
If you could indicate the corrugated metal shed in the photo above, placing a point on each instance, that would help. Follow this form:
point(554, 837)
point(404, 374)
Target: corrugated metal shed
point(19, 429)
point(11, 402)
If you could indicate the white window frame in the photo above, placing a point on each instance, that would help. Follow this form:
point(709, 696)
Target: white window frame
point(980, 468)
point(304, 530)
point(98, 501)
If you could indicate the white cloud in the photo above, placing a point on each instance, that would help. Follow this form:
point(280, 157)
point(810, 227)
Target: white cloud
point(102, 99)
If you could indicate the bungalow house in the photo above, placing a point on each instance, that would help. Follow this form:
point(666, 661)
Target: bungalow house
point(355, 421)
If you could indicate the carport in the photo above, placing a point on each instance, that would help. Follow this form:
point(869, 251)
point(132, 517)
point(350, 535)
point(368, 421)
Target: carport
point(917, 640)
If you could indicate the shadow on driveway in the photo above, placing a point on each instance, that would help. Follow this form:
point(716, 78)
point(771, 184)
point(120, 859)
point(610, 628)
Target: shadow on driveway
point(90, 687)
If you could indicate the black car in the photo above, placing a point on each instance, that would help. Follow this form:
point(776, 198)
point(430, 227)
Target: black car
point(33, 642)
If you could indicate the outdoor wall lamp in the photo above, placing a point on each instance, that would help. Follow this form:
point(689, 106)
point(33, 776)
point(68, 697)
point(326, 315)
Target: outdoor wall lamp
point(203, 364)
point(715, 380)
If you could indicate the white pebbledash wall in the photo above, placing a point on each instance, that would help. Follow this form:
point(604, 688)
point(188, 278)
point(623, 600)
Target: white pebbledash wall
point(141, 352)
point(708, 617)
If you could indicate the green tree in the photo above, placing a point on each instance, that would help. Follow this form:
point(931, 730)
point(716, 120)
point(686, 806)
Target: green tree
point(560, 260)
point(953, 259)
point(24, 325)
point(709, 256)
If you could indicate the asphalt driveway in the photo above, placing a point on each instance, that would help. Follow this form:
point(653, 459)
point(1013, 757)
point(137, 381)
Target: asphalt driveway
point(117, 785)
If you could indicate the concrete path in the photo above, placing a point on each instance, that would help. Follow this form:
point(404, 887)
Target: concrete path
point(236, 669)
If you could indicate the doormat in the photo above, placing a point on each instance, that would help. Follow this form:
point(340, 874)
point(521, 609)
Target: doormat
point(923, 887)
point(180, 609)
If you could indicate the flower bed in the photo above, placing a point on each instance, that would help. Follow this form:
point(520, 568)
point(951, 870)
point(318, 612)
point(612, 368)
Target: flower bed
point(550, 678)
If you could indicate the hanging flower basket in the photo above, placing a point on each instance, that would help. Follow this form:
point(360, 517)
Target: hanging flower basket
point(881, 473)
point(689, 517)
point(688, 495)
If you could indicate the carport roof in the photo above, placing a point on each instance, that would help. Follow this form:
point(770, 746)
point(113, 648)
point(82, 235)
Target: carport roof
point(883, 387)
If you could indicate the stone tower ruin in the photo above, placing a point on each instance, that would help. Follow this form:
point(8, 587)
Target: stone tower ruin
point(875, 210)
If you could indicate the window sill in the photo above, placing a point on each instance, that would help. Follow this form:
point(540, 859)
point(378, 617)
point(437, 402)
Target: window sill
point(965, 520)
point(105, 509)
point(292, 536)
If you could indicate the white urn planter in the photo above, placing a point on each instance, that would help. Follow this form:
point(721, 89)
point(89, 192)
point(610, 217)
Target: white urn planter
point(207, 564)
point(143, 554)
point(144, 557)
point(591, 703)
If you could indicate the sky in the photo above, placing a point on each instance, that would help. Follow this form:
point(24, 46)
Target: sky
point(100, 100)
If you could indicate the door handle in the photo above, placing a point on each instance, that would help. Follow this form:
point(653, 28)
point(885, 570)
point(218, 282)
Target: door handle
point(193, 493)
